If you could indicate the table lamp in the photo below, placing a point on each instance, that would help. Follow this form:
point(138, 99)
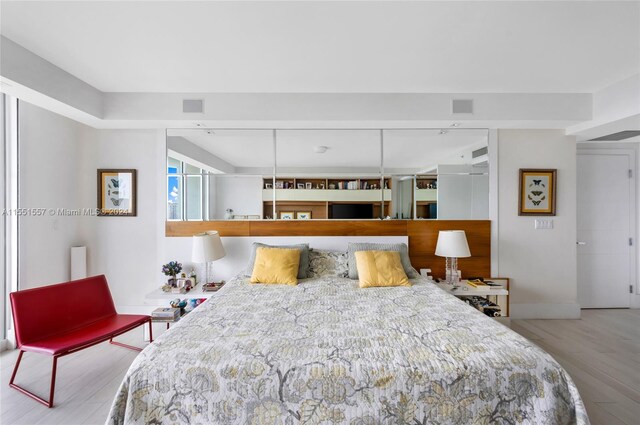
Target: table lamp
point(452, 244)
point(207, 247)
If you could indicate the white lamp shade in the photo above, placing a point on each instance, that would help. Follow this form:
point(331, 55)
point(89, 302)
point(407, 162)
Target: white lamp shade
point(452, 243)
point(207, 247)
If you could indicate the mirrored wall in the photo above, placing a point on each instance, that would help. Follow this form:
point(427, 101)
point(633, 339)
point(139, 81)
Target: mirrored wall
point(219, 174)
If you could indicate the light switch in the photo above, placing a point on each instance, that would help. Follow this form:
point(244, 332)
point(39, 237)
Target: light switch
point(541, 224)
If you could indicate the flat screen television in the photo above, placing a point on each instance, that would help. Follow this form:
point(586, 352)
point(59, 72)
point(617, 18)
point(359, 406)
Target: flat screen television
point(344, 211)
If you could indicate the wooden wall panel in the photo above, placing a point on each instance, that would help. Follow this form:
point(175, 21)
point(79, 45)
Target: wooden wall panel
point(329, 228)
point(423, 236)
point(190, 228)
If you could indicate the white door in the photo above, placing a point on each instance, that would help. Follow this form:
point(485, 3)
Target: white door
point(605, 262)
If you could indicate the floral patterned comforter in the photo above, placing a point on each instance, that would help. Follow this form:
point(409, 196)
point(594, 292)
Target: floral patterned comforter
point(329, 352)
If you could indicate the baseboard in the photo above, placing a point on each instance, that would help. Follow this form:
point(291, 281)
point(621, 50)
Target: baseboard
point(545, 311)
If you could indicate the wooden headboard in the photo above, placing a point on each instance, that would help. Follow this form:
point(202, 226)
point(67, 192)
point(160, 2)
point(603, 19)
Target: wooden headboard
point(422, 234)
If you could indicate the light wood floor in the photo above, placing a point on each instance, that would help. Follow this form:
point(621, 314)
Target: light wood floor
point(601, 352)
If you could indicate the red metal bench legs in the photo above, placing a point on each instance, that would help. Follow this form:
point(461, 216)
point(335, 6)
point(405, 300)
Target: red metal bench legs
point(131, 347)
point(29, 393)
point(49, 403)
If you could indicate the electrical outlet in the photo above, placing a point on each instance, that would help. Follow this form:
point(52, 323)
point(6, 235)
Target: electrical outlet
point(543, 224)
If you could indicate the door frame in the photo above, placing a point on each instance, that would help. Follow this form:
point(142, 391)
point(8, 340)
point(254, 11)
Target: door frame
point(632, 154)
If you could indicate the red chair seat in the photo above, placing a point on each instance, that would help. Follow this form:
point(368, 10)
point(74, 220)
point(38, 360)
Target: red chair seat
point(93, 333)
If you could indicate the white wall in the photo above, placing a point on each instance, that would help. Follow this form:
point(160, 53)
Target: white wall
point(243, 194)
point(541, 263)
point(50, 158)
point(127, 249)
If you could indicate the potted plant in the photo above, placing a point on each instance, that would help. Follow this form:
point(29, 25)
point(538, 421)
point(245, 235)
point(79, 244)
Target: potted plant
point(172, 268)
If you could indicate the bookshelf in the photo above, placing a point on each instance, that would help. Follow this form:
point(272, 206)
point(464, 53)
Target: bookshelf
point(317, 195)
point(426, 196)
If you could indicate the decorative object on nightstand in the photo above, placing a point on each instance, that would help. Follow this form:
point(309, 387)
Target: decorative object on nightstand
point(452, 244)
point(172, 268)
point(207, 247)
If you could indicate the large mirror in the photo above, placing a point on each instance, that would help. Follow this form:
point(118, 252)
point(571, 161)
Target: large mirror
point(215, 174)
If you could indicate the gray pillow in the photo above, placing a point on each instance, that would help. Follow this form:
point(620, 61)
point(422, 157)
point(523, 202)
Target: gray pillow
point(304, 257)
point(368, 246)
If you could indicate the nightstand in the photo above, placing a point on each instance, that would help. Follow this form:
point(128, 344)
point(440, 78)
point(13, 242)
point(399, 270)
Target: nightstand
point(498, 295)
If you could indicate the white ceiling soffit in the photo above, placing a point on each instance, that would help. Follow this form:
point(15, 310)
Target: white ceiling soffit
point(329, 47)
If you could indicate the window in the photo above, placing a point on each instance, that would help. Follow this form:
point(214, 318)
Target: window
point(187, 191)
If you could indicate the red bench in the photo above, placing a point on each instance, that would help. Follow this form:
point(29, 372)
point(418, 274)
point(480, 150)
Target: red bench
point(61, 319)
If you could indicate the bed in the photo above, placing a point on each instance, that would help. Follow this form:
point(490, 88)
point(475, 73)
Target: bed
point(328, 352)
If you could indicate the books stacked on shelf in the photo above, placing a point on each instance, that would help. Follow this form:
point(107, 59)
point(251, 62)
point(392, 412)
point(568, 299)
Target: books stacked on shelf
point(168, 314)
point(212, 287)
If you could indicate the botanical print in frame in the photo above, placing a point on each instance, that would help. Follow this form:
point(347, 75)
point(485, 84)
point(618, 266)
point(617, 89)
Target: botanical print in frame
point(117, 193)
point(537, 192)
point(303, 215)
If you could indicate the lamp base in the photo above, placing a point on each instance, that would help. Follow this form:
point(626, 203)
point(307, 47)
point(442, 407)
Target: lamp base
point(452, 277)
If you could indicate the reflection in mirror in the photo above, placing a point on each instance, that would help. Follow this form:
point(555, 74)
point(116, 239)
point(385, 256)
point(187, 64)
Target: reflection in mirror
point(402, 197)
point(217, 174)
point(328, 174)
point(451, 169)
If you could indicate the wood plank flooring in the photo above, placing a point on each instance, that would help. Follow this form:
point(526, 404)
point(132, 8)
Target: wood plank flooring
point(601, 352)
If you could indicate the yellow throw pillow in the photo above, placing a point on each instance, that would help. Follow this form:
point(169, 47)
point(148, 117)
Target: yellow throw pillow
point(276, 265)
point(380, 268)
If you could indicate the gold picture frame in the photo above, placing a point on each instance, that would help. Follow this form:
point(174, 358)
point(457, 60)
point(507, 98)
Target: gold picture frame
point(537, 194)
point(286, 215)
point(117, 193)
point(303, 215)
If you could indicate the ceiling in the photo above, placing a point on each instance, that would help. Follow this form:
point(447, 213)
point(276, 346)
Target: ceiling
point(331, 47)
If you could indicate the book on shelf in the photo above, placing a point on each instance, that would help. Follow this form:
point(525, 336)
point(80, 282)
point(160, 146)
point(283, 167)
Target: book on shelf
point(477, 283)
point(165, 313)
point(212, 287)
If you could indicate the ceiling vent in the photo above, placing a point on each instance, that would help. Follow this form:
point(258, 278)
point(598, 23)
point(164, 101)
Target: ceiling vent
point(462, 106)
point(615, 137)
point(480, 157)
point(192, 106)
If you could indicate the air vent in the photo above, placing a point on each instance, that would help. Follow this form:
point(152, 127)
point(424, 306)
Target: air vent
point(462, 106)
point(480, 152)
point(192, 106)
point(621, 135)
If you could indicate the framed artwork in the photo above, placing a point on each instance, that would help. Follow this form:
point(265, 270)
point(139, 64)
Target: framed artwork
point(288, 215)
point(117, 193)
point(308, 185)
point(537, 192)
point(303, 215)
point(300, 185)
